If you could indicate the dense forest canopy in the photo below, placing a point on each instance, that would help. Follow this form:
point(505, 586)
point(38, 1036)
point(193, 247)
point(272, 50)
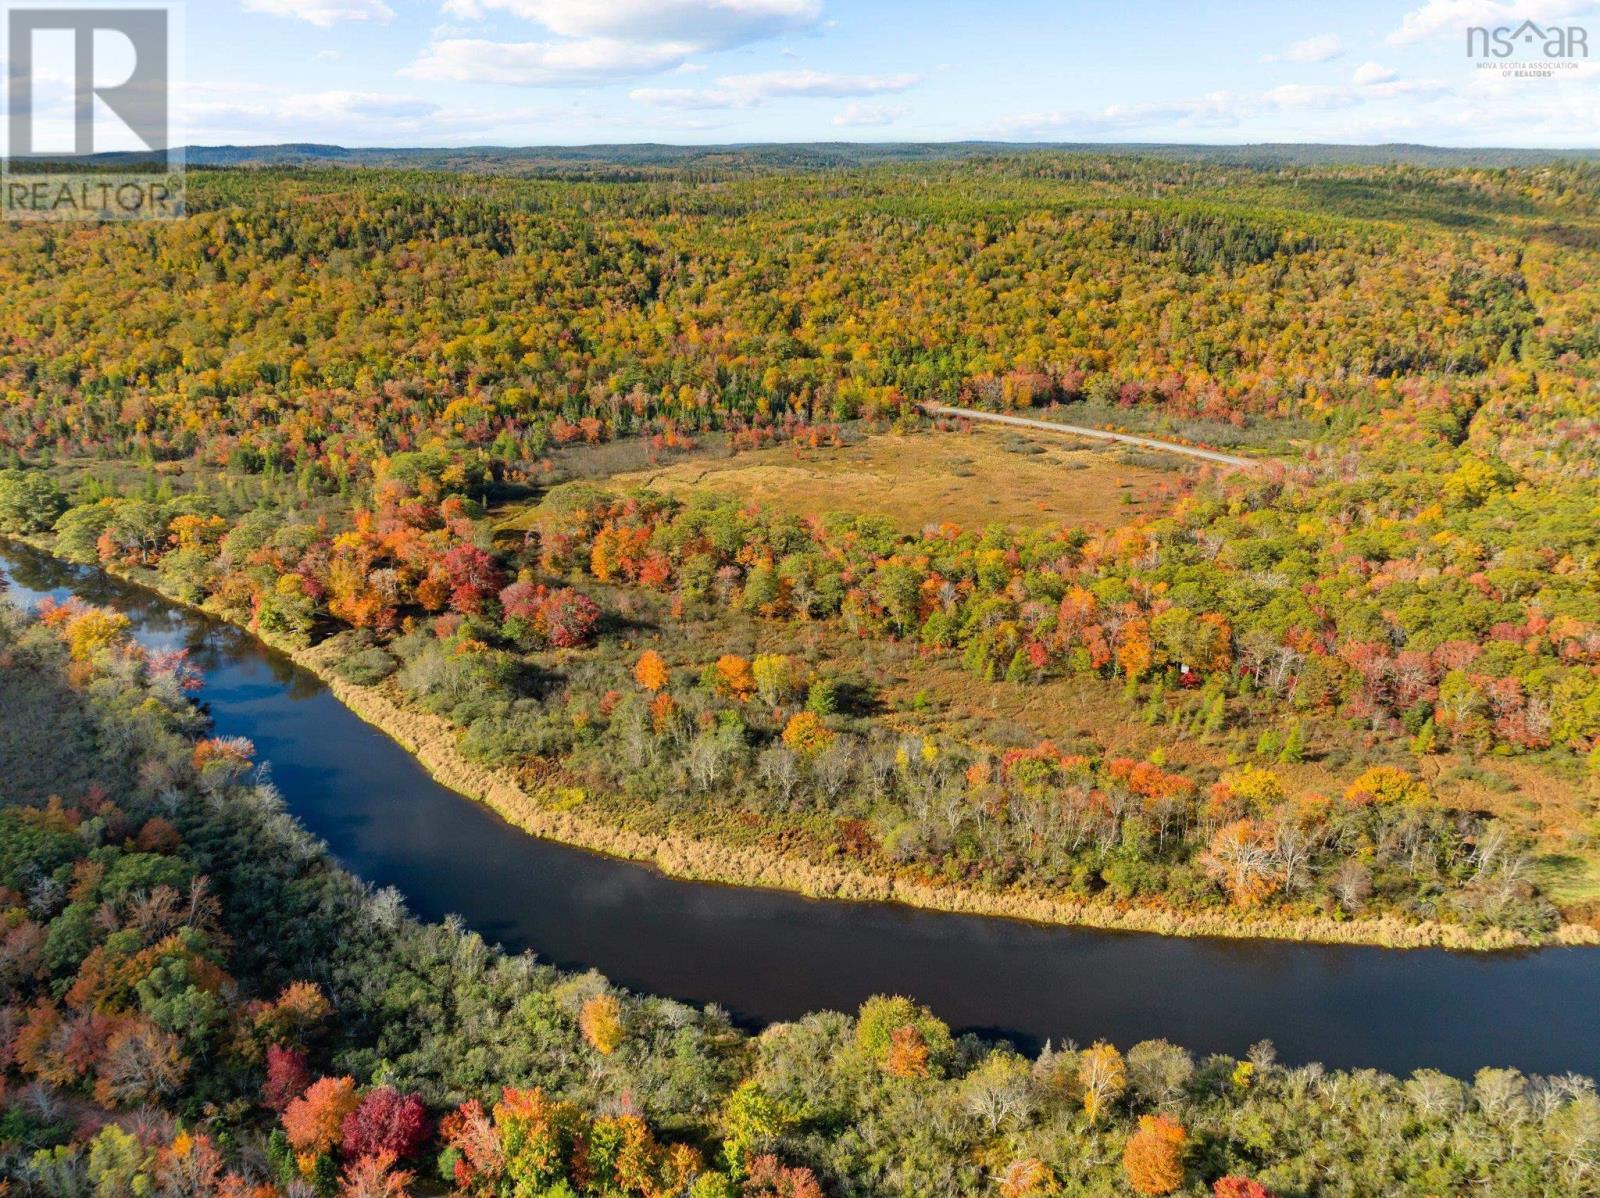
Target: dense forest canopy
point(616, 159)
point(195, 1001)
point(404, 413)
point(326, 375)
point(317, 320)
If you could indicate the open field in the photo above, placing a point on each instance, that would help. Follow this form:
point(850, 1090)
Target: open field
point(971, 480)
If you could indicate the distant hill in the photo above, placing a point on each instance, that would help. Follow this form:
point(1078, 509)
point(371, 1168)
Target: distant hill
point(823, 155)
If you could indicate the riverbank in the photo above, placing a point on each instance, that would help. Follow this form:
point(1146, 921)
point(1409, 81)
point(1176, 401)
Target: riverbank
point(433, 742)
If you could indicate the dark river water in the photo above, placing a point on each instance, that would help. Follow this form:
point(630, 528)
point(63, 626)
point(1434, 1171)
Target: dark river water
point(765, 955)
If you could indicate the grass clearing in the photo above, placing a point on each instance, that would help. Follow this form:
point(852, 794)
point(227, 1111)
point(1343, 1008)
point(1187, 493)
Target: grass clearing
point(968, 479)
point(1569, 879)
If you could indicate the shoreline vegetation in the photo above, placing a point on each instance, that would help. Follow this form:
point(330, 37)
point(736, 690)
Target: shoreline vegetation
point(692, 512)
point(207, 1004)
point(433, 742)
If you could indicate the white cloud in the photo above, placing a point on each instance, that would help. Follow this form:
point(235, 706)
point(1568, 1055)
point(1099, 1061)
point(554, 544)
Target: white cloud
point(1452, 16)
point(543, 64)
point(241, 113)
point(1369, 73)
point(864, 115)
point(1304, 95)
point(1491, 110)
point(745, 91)
point(711, 24)
point(595, 41)
point(1214, 110)
point(1320, 48)
point(323, 13)
point(245, 107)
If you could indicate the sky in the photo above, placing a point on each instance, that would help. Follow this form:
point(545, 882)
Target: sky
point(562, 72)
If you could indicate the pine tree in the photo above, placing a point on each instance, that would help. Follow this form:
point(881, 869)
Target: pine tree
point(1017, 671)
point(1294, 745)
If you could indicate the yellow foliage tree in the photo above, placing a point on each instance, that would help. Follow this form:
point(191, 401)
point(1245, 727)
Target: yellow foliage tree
point(776, 677)
point(806, 734)
point(1384, 784)
point(1257, 788)
point(95, 629)
point(1102, 1076)
point(600, 1021)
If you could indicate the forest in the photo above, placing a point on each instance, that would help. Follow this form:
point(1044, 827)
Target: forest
point(380, 414)
point(440, 428)
point(196, 1001)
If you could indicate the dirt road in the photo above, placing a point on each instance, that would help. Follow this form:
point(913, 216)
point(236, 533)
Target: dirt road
point(1077, 430)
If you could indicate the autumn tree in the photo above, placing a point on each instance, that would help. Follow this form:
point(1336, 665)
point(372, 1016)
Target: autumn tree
point(375, 1176)
point(287, 1077)
point(536, 1136)
point(141, 1063)
point(472, 578)
point(1238, 1187)
point(903, 1038)
point(731, 675)
point(295, 1016)
point(600, 1020)
point(1385, 784)
point(1243, 857)
point(569, 618)
point(314, 1122)
point(1028, 1178)
point(806, 735)
point(651, 671)
point(93, 630)
point(385, 1123)
point(776, 678)
point(1102, 1077)
point(1153, 1157)
point(908, 1053)
point(768, 1177)
point(189, 1167)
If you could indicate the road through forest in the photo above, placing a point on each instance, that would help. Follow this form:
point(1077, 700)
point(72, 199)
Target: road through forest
point(1051, 426)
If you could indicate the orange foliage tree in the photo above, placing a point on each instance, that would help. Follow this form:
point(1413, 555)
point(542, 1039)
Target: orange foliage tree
point(1153, 1158)
point(651, 671)
point(1243, 857)
point(733, 676)
point(314, 1122)
point(1028, 1178)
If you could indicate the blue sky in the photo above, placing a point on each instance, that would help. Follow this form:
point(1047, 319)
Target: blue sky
point(525, 72)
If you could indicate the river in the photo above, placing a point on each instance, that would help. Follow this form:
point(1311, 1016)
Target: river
point(767, 955)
